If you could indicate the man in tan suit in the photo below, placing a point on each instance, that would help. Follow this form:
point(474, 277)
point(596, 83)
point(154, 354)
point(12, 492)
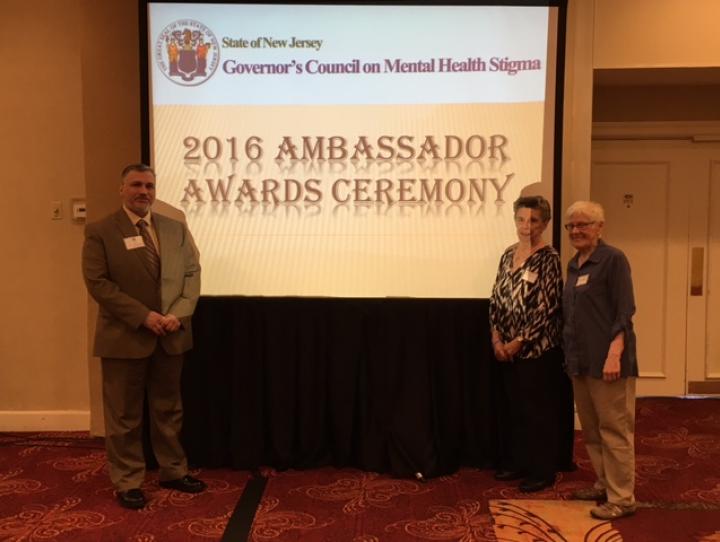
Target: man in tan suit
point(142, 268)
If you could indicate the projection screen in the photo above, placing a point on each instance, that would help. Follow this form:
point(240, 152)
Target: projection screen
point(351, 150)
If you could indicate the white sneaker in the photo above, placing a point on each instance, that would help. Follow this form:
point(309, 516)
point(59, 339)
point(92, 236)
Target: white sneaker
point(608, 510)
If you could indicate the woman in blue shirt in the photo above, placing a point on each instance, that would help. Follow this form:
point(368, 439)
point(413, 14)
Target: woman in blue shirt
point(600, 353)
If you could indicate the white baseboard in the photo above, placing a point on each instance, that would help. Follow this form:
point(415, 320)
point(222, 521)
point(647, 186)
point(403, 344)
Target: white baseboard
point(44, 420)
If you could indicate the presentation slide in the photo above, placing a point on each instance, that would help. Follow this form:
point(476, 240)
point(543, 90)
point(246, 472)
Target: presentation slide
point(350, 150)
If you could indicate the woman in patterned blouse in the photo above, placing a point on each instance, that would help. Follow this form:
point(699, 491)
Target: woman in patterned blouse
point(526, 325)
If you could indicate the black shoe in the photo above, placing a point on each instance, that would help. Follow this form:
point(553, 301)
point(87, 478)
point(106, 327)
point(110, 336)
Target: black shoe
point(531, 485)
point(507, 475)
point(186, 484)
point(132, 499)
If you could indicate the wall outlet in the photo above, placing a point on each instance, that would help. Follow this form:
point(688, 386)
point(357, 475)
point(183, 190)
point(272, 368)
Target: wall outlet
point(79, 211)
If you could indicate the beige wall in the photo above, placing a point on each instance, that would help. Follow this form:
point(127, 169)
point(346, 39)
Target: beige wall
point(41, 339)
point(656, 33)
point(70, 120)
point(577, 127)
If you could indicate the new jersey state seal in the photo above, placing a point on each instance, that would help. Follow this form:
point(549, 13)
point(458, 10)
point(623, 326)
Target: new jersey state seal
point(187, 52)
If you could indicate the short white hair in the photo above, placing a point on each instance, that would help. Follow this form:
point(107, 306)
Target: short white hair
point(590, 209)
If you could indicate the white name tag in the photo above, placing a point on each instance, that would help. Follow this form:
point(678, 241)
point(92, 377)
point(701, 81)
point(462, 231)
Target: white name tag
point(530, 276)
point(131, 243)
point(582, 280)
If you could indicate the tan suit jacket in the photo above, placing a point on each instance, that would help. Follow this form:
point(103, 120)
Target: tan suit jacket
point(118, 279)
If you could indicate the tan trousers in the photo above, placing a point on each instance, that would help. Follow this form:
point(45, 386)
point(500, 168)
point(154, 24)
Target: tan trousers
point(124, 384)
point(607, 415)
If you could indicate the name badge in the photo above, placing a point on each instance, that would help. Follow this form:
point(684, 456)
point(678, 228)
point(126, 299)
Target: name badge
point(131, 243)
point(529, 276)
point(582, 280)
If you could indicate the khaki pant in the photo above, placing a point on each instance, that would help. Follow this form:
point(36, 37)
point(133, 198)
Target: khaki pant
point(124, 384)
point(607, 415)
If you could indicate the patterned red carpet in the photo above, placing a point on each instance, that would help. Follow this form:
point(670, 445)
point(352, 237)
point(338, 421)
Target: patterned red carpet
point(54, 487)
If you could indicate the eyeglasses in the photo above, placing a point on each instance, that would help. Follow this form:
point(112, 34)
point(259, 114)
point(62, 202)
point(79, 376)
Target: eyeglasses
point(578, 225)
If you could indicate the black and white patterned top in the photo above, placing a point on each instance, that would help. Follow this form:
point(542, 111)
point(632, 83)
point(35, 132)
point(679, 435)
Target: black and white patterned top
point(527, 302)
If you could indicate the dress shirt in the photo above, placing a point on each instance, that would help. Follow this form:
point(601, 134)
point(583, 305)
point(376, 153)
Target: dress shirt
point(148, 219)
point(598, 304)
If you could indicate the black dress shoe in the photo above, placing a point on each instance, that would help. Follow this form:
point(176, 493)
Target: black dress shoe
point(531, 485)
point(186, 484)
point(132, 499)
point(507, 475)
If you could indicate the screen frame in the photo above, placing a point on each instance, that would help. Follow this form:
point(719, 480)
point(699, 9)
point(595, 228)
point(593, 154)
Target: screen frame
point(561, 5)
